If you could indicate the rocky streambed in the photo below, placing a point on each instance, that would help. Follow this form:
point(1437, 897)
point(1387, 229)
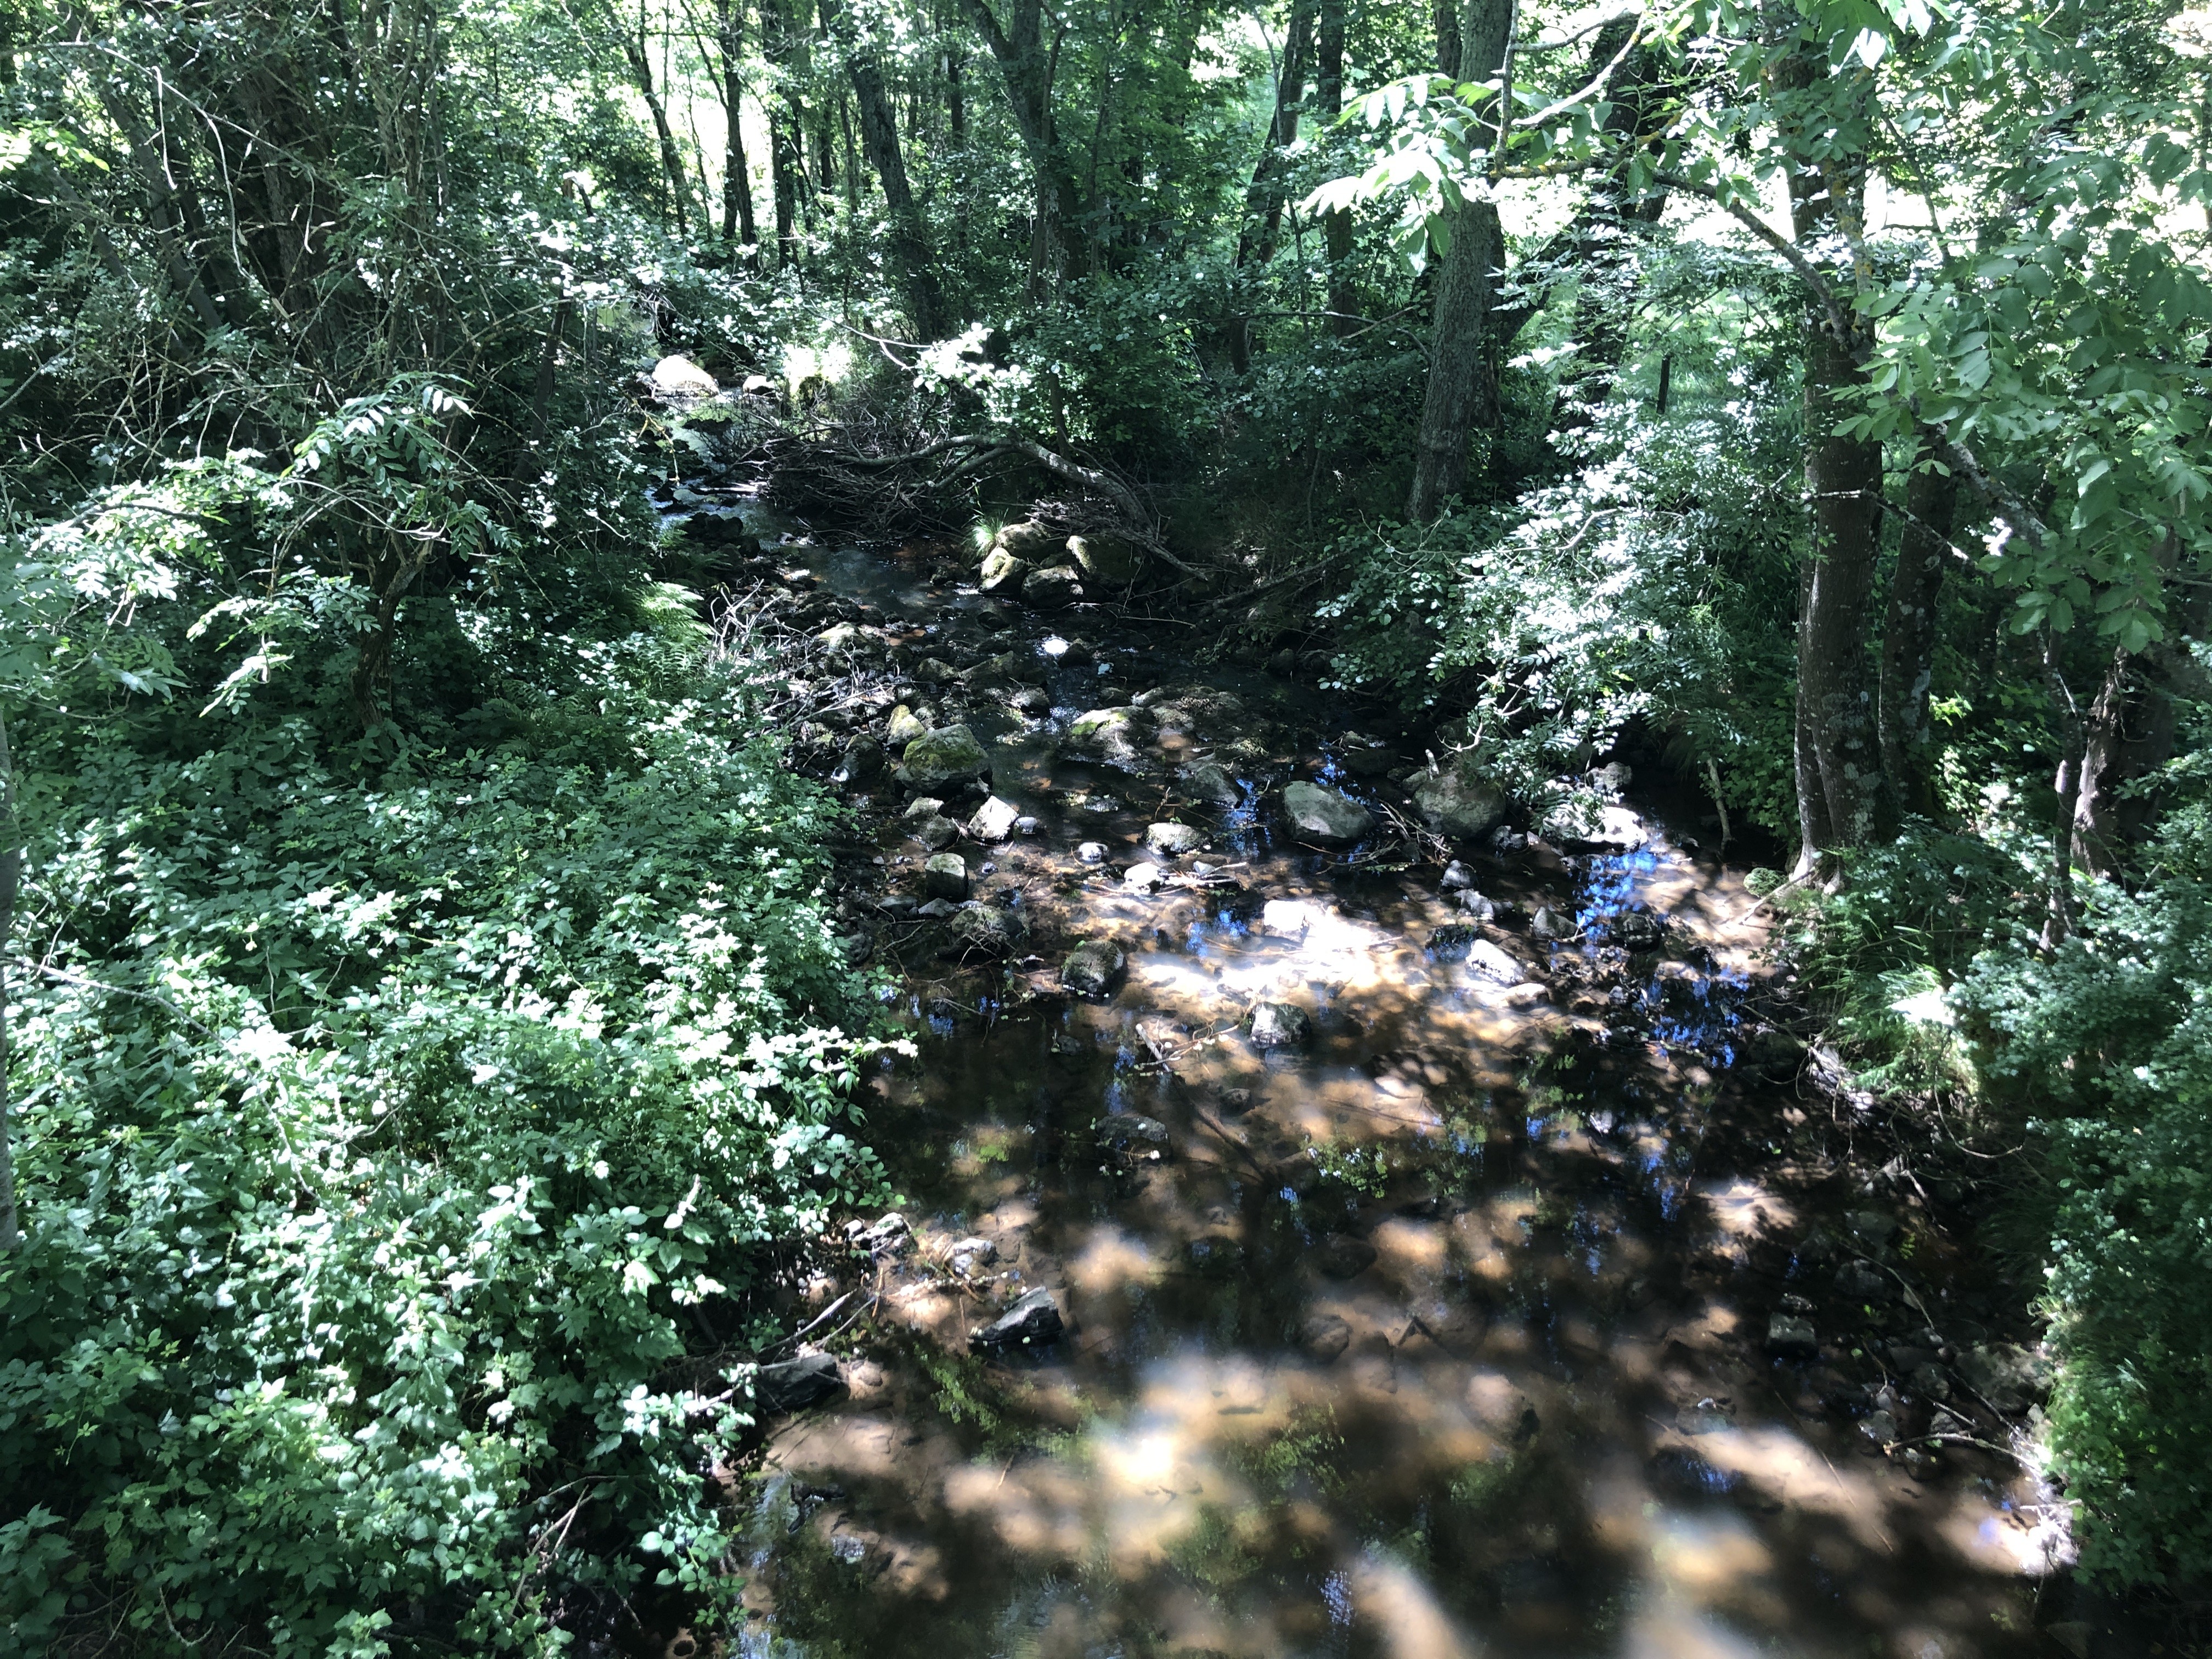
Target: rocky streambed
point(1343, 1218)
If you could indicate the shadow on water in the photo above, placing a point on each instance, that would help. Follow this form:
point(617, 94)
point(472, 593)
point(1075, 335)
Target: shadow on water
point(1445, 1333)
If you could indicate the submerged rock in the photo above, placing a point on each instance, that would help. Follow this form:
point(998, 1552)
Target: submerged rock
point(987, 933)
point(1054, 589)
point(1125, 1130)
point(1033, 1322)
point(1460, 802)
point(1210, 782)
point(863, 758)
point(1344, 1257)
point(792, 1385)
point(1325, 1336)
point(1094, 967)
point(1280, 1025)
point(1321, 814)
point(1457, 876)
point(1144, 878)
point(1791, 1338)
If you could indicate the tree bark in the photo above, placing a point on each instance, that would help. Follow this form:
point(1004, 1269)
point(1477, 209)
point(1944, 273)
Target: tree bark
point(738, 225)
point(11, 878)
point(672, 161)
point(1462, 392)
point(1026, 66)
point(1263, 197)
point(1336, 226)
point(1908, 638)
point(909, 241)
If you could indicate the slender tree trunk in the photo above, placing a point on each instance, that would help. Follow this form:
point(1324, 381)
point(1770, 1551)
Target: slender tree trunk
point(1263, 197)
point(1336, 227)
point(672, 161)
point(910, 239)
point(1842, 801)
point(1027, 66)
point(737, 173)
point(1462, 392)
point(1908, 638)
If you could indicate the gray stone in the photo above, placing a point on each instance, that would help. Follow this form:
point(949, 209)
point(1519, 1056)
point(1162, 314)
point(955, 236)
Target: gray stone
point(1235, 1102)
point(937, 909)
point(1280, 1025)
point(1320, 814)
point(888, 1235)
point(1486, 960)
point(1792, 1338)
point(1026, 825)
point(1094, 967)
point(1550, 927)
point(1173, 839)
point(1460, 802)
point(1030, 701)
point(1028, 539)
point(945, 877)
point(969, 1254)
point(1144, 878)
point(1115, 561)
point(1639, 930)
point(1474, 904)
point(1457, 876)
point(948, 754)
point(680, 377)
point(1052, 590)
point(993, 820)
point(1584, 822)
point(921, 807)
point(2008, 1375)
point(1344, 1257)
point(863, 758)
point(1872, 1228)
point(1880, 1429)
point(792, 1385)
point(905, 727)
point(936, 833)
point(837, 636)
point(1033, 1322)
point(1210, 782)
point(1112, 734)
point(1861, 1283)
point(1325, 1336)
point(1004, 574)
point(1091, 852)
point(985, 932)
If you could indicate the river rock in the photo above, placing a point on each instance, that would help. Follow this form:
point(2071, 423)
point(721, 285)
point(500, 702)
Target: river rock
point(1789, 1337)
point(1106, 557)
point(1472, 903)
point(1033, 1322)
point(1094, 967)
point(837, 636)
point(1325, 1336)
point(677, 377)
point(936, 833)
point(1858, 1282)
point(792, 1385)
point(985, 932)
point(1144, 878)
point(1320, 814)
point(945, 877)
point(921, 807)
point(993, 820)
point(863, 758)
point(1487, 961)
point(1091, 852)
point(1210, 782)
point(1457, 877)
point(1607, 828)
point(1287, 918)
point(1125, 1130)
point(2005, 1374)
point(1280, 1025)
point(1173, 840)
point(1112, 734)
point(1639, 930)
point(1551, 927)
point(1344, 1257)
point(1460, 802)
point(948, 754)
point(1054, 589)
point(1031, 702)
point(905, 726)
point(968, 1254)
point(1028, 539)
point(1003, 574)
point(889, 1235)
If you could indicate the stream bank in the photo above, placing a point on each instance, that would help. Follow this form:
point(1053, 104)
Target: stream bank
point(1384, 1243)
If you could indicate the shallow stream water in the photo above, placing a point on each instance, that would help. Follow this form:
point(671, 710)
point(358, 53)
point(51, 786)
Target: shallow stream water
point(1446, 1334)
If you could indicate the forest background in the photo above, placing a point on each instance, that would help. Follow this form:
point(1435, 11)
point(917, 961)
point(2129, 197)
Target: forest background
point(426, 1031)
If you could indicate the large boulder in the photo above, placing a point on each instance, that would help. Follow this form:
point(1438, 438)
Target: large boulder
point(1173, 840)
point(1003, 572)
point(1317, 813)
point(1094, 967)
point(1027, 540)
point(993, 820)
point(945, 877)
point(1114, 561)
point(679, 377)
point(1460, 802)
point(1212, 783)
point(1052, 590)
point(1033, 1322)
point(948, 754)
point(792, 1385)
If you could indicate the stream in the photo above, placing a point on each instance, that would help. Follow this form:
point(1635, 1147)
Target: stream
point(1533, 1299)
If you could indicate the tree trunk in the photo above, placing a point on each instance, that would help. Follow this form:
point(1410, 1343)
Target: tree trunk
point(11, 877)
point(672, 161)
point(737, 173)
point(909, 239)
point(1908, 638)
point(1336, 227)
point(1462, 392)
point(1027, 67)
point(1263, 197)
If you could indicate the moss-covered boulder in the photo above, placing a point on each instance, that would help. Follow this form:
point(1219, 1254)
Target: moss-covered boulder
point(950, 754)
